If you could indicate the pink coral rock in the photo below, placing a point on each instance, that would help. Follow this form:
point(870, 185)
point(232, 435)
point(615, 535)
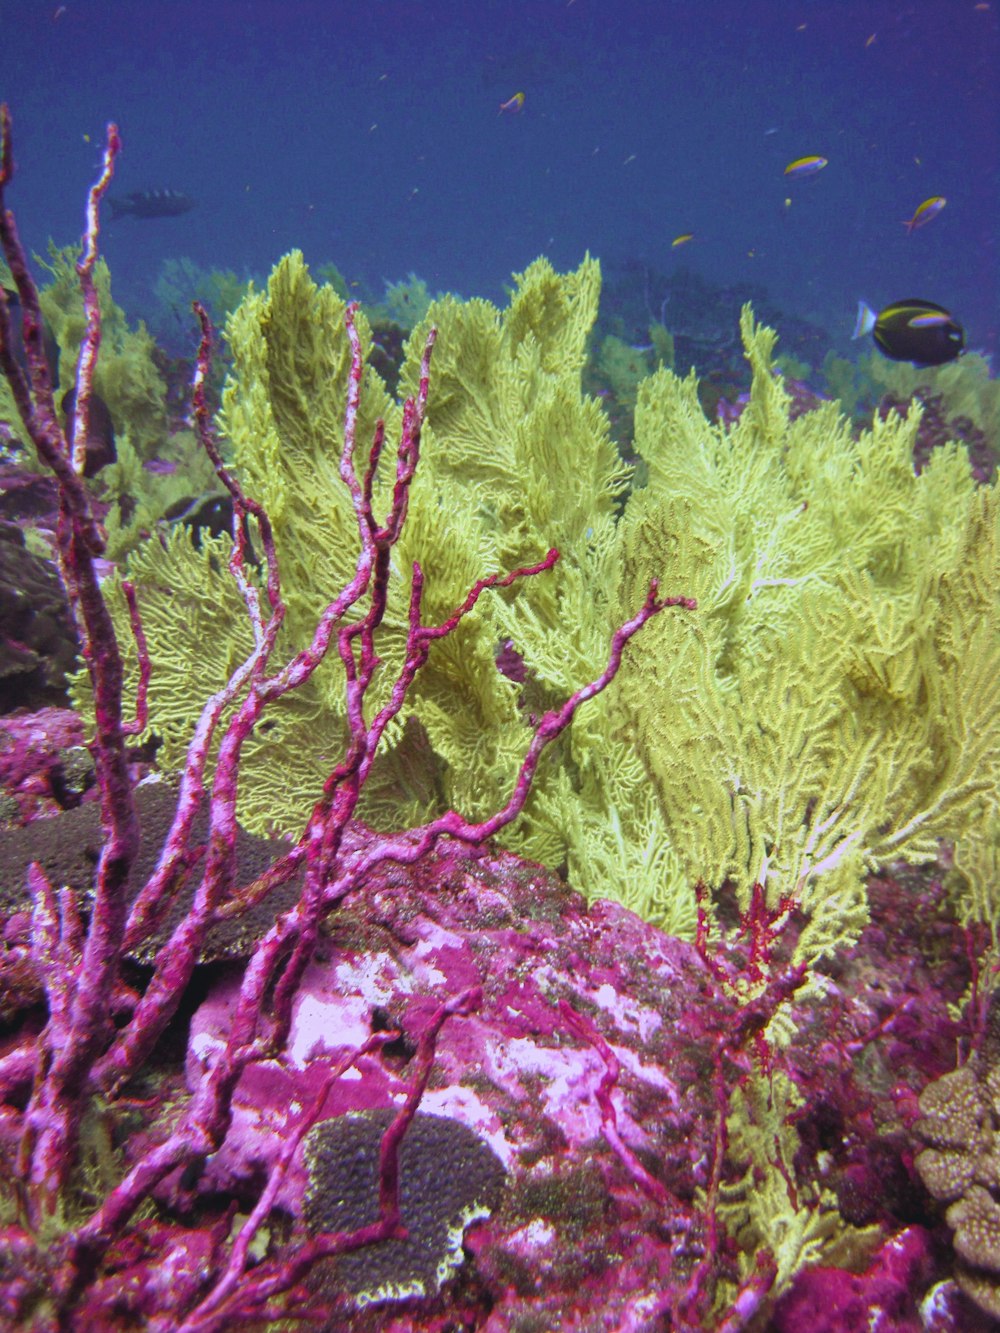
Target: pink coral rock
point(616, 1224)
point(586, 1076)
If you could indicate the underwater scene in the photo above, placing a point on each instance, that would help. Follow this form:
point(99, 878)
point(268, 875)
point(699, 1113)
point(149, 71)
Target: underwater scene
point(499, 666)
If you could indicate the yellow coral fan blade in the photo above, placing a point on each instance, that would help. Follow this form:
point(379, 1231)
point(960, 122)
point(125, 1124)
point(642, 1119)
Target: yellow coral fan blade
point(820, 716)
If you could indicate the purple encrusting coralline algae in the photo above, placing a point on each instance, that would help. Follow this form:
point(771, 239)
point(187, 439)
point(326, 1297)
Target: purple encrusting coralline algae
point(587, 1072)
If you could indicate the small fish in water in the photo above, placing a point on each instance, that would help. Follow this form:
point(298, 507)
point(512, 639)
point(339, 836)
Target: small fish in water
point(805, 166)
point(929, 209)
point(682, 239)
point(512, 104)
point(150, 204)
point(912, 330)
point(211, 514)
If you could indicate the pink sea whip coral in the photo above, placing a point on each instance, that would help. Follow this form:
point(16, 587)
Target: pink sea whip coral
point(98, 1032)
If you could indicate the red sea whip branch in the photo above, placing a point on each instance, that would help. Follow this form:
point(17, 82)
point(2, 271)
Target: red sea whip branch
point(277, 962)
point(73, 1040)
point(273, 973)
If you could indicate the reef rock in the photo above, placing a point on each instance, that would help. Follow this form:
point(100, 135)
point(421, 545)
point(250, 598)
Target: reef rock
point(562, 1155)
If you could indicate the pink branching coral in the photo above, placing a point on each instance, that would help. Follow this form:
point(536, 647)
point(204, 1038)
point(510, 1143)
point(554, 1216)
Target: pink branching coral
point(65, 1233)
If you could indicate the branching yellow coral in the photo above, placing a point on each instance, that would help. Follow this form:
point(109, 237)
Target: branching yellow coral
point(833, 702)
point(762, 1210)
point(514, 460)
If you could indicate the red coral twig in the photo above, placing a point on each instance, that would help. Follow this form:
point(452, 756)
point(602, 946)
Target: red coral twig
point(586, 1030)
point(81, 1053)
point(52, 1118)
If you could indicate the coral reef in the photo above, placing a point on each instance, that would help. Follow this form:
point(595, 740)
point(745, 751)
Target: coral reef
point(382, 1072)
point(744, 754)
point(93, 1228)
point(961, 1167)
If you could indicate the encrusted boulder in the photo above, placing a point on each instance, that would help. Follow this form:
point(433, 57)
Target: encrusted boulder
point(961, 1166)
point(582, 1103)
point(525, 1091)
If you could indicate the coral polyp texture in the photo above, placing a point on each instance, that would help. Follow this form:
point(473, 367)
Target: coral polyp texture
point(448, 1179)
point(960, 1113)
point(377, 972)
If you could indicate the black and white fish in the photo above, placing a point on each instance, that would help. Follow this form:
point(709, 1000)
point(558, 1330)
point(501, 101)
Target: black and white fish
point(912, 330)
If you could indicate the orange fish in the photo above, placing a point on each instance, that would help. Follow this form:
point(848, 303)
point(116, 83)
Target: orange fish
point(512, 104)
point(929, 209)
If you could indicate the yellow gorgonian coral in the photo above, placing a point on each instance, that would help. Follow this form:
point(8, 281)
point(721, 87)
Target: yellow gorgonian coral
point(833, 701)
point(514, 460)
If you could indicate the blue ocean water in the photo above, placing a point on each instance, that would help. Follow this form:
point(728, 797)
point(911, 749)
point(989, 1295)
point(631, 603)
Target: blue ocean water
point(370, 137)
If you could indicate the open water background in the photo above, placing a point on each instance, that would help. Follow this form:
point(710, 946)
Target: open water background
point(369, 136)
